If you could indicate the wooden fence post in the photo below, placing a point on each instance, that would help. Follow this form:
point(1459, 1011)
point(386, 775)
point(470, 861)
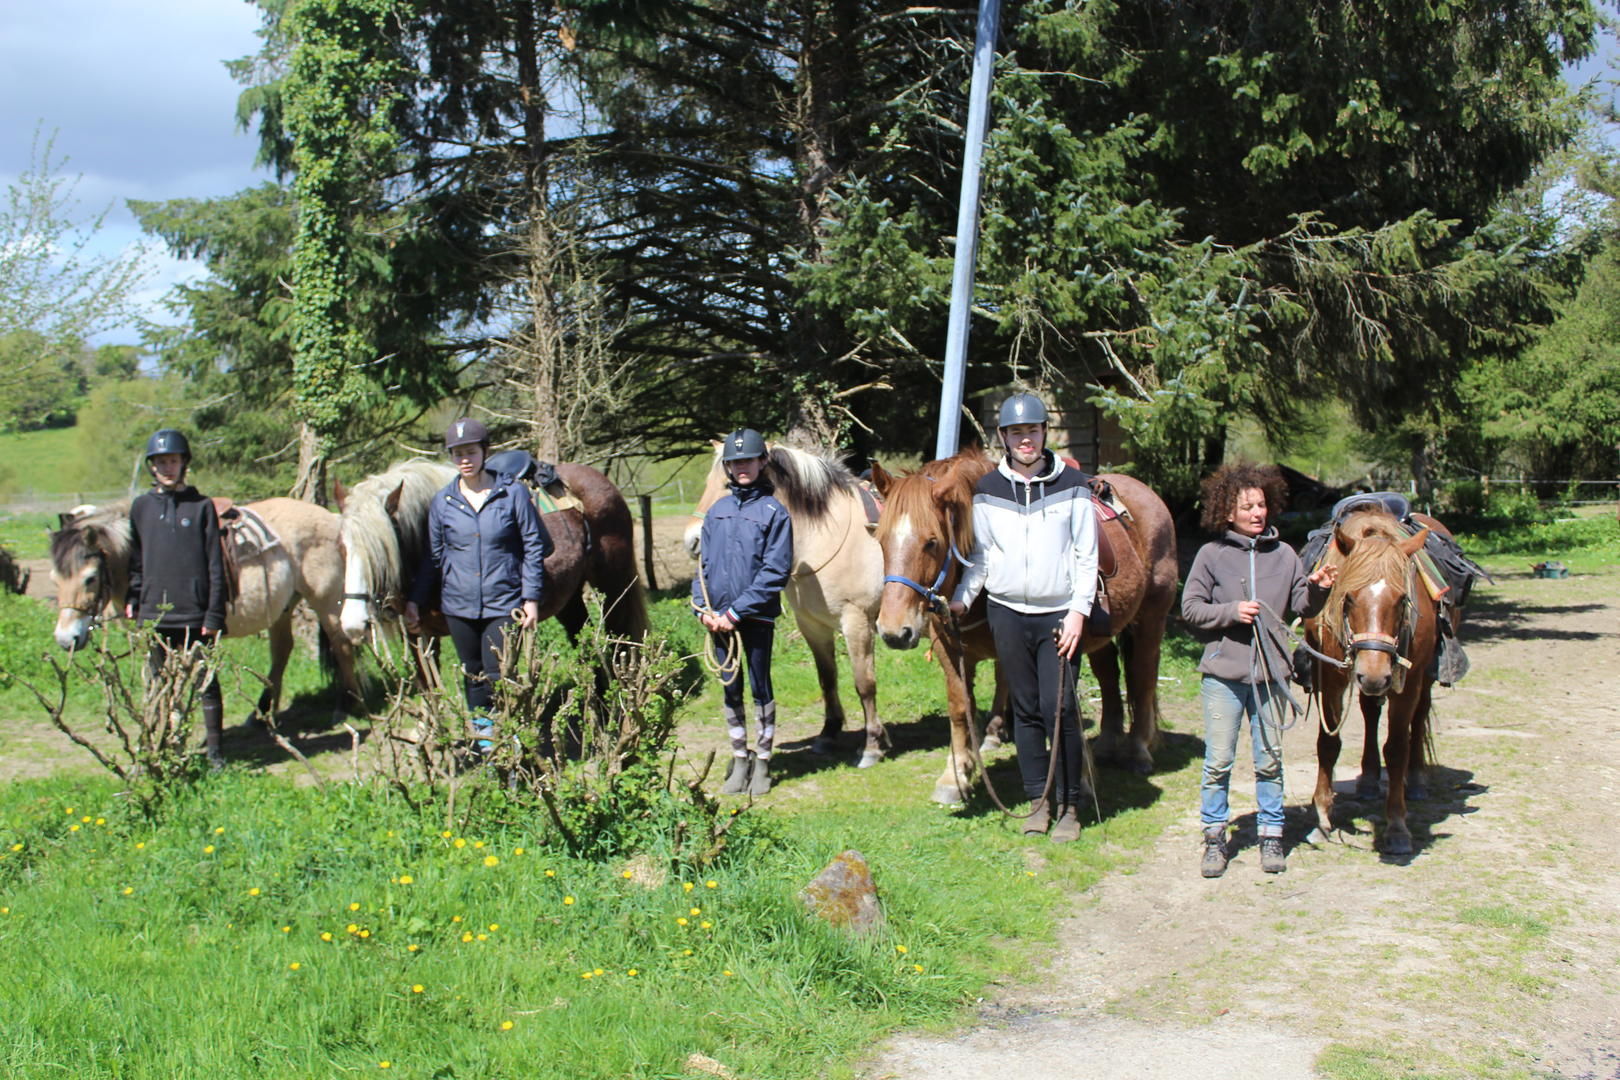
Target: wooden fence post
point(645, 502)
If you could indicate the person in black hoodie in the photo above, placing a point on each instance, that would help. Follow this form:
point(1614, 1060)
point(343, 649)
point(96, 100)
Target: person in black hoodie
point(745, 558)
point(177, 570)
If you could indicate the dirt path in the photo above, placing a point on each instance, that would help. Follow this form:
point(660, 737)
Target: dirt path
point(1490, 952)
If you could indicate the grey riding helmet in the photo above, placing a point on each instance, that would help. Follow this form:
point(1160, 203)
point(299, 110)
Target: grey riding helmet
point(1022, 409)
point(743, 443)
point(168, 441)
point(466, 431)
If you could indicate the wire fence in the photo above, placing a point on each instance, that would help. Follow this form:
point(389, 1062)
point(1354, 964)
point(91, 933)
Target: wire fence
point(55, 503)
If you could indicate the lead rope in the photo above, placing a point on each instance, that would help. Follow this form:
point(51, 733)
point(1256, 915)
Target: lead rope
point(727, 665)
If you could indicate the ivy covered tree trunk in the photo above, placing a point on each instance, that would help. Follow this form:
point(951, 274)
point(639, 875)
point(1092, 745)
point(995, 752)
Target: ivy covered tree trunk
point(338, 97)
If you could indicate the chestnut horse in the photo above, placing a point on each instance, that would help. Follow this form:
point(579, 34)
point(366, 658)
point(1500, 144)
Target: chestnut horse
point(384, 530)
point(925, 532)
point(837, 579)
point(90, 566)
point(1379, 627)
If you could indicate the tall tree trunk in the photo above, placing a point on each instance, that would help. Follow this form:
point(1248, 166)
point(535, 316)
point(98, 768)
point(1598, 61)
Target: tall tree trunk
point(544, 337)
point(311, 485)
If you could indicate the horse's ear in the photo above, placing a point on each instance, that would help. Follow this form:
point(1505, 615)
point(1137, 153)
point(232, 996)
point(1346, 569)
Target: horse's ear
point(1414, 544)
point(340, 494)
point(391, 504)
point(91, 538)
point(64, 520)
point(1343, 541)
point(881, 480)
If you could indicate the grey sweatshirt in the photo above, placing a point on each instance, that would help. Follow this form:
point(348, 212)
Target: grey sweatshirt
point(1219, 580)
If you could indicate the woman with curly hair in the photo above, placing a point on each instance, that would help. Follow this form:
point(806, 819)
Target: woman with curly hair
point(1239, 588)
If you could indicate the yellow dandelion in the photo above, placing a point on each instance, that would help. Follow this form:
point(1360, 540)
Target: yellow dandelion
point(208, 849)
point(632, 973)
point(101, 821)
point(19, 847)
point(568, 901)
point(354, 906)
point(490, 860)
point(286, 929)
point(466, 937)
point(494, 926)
point(447, 834)
point(688, 886)
point(706, 924)
point(385, 1064)
point(326, 935)
point(220, 831)
point(506, 1025)
point(551, 873)
point(413, 947)
point(598, 972)
point(5, 911)
point(727, 973)
point(73, 828)
point(253, 892)
point(901, 949)
point(295, 965)
point(517, 851)
point(352, 927)
point(390, 834)
point(417, 989)
point(681, 921)
point(584, 974)
point(128, 891)
point(406, 879)
point(686, 952)
point(460, 843)
point(628, 874)
point(140, 845)
point(365, 933)
point(917, 968)
point(85, 819)
point(711, 884)
point(70, 809)
point(477, 844)
point(1029, 873)
point(697, 911)
point(455, 918)
point(483, 937)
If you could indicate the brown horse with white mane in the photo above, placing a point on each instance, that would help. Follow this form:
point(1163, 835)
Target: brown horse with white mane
point(925, 532)
point(1379, 629)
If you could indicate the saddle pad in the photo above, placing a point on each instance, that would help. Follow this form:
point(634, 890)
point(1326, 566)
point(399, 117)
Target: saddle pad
point(246, 535)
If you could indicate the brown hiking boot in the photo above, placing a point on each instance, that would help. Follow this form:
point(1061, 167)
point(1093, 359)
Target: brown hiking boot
point(1272, 859)
point(1214, 863)
point(1039, 819)
point(737, 776)
point(1066, 829)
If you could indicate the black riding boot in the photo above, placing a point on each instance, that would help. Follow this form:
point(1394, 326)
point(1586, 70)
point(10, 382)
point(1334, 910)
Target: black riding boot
point(213, 725)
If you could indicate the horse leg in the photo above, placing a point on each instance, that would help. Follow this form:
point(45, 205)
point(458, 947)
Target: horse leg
point(857, 627)
point(1397, 756)
point(1142, 647)
point(954, 783)
point(997, 731)
point(818, 636)
point(1367, 783)
point(1418, 767)
point(281, 647)
point(351, 699)
point(1110, 746)
point(1328, 744)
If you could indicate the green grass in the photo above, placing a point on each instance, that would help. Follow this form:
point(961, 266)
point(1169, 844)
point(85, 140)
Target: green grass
point(37, 462)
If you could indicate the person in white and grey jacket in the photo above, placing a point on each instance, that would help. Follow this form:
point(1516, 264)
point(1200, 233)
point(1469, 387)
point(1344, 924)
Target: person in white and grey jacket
point(1035, 553)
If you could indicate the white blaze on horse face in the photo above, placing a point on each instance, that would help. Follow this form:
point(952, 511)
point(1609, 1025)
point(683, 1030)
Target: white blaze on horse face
point(693, 537)
point(901, 618)
point(355, 616)
point(1372, 666)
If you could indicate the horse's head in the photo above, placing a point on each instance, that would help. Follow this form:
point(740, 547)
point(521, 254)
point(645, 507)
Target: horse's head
point(927, 516)
point(1370, 608)
point(368, 536)
point(90, 568)
point(714, 486)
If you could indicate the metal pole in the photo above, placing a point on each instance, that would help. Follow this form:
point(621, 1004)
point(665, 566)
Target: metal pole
point(967, 232)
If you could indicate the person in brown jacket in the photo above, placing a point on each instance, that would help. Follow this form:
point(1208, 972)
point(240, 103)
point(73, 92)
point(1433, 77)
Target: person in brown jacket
point(1238, 591)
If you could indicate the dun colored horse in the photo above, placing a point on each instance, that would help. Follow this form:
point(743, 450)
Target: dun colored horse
point(90, 566)
point(837, 579)
point(1379, 622)
point(384, 530)
point(927, 530)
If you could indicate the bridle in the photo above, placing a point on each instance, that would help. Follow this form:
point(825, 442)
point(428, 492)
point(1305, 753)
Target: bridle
point(932, 597)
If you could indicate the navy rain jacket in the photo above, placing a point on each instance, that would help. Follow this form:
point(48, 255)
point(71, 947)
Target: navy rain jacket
point(746, 555)
point(483, 563)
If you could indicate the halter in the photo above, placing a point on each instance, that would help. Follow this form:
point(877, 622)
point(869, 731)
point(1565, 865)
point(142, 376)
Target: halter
point(1395, 647)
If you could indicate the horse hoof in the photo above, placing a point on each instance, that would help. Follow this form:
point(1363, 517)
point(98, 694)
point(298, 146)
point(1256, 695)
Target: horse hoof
point(990, 743)
point(948, 795)
point(824, 744)
point(1416, 792)
point(1398, 844)
point(1316, 837)
point(1142, 766)
point(869, 759)
point(1366, 789)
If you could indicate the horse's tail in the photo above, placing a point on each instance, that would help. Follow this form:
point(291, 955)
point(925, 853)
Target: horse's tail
point(325, 655)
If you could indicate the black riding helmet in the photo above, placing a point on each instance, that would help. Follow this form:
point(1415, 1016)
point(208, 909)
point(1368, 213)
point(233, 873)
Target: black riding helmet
point(168, 441)
point(743, 443)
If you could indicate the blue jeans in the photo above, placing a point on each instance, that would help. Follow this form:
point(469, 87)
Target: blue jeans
point(1226, 702)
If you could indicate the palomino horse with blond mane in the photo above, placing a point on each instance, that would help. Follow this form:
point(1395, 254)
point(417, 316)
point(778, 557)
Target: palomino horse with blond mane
point(384, 529)
point(1379, 630)
point(926, 532)
point(299, 559)
point(837, 578)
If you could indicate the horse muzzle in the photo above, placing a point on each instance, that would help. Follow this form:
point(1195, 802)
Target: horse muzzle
point(73, 634)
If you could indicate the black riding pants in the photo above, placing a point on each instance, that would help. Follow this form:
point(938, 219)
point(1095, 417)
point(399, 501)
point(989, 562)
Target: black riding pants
point(479, 643)
point(183, 641)
point(1036, 677)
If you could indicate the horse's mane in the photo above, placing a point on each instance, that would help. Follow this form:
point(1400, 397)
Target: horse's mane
point(806, 479)
point(104, 528)
point(1377, 556)
point(390, 549)
point(949, 482)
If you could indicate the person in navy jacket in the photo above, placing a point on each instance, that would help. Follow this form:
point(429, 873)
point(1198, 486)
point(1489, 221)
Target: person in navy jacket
point(744, 560)
point(485, 561)
point(177, 571)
